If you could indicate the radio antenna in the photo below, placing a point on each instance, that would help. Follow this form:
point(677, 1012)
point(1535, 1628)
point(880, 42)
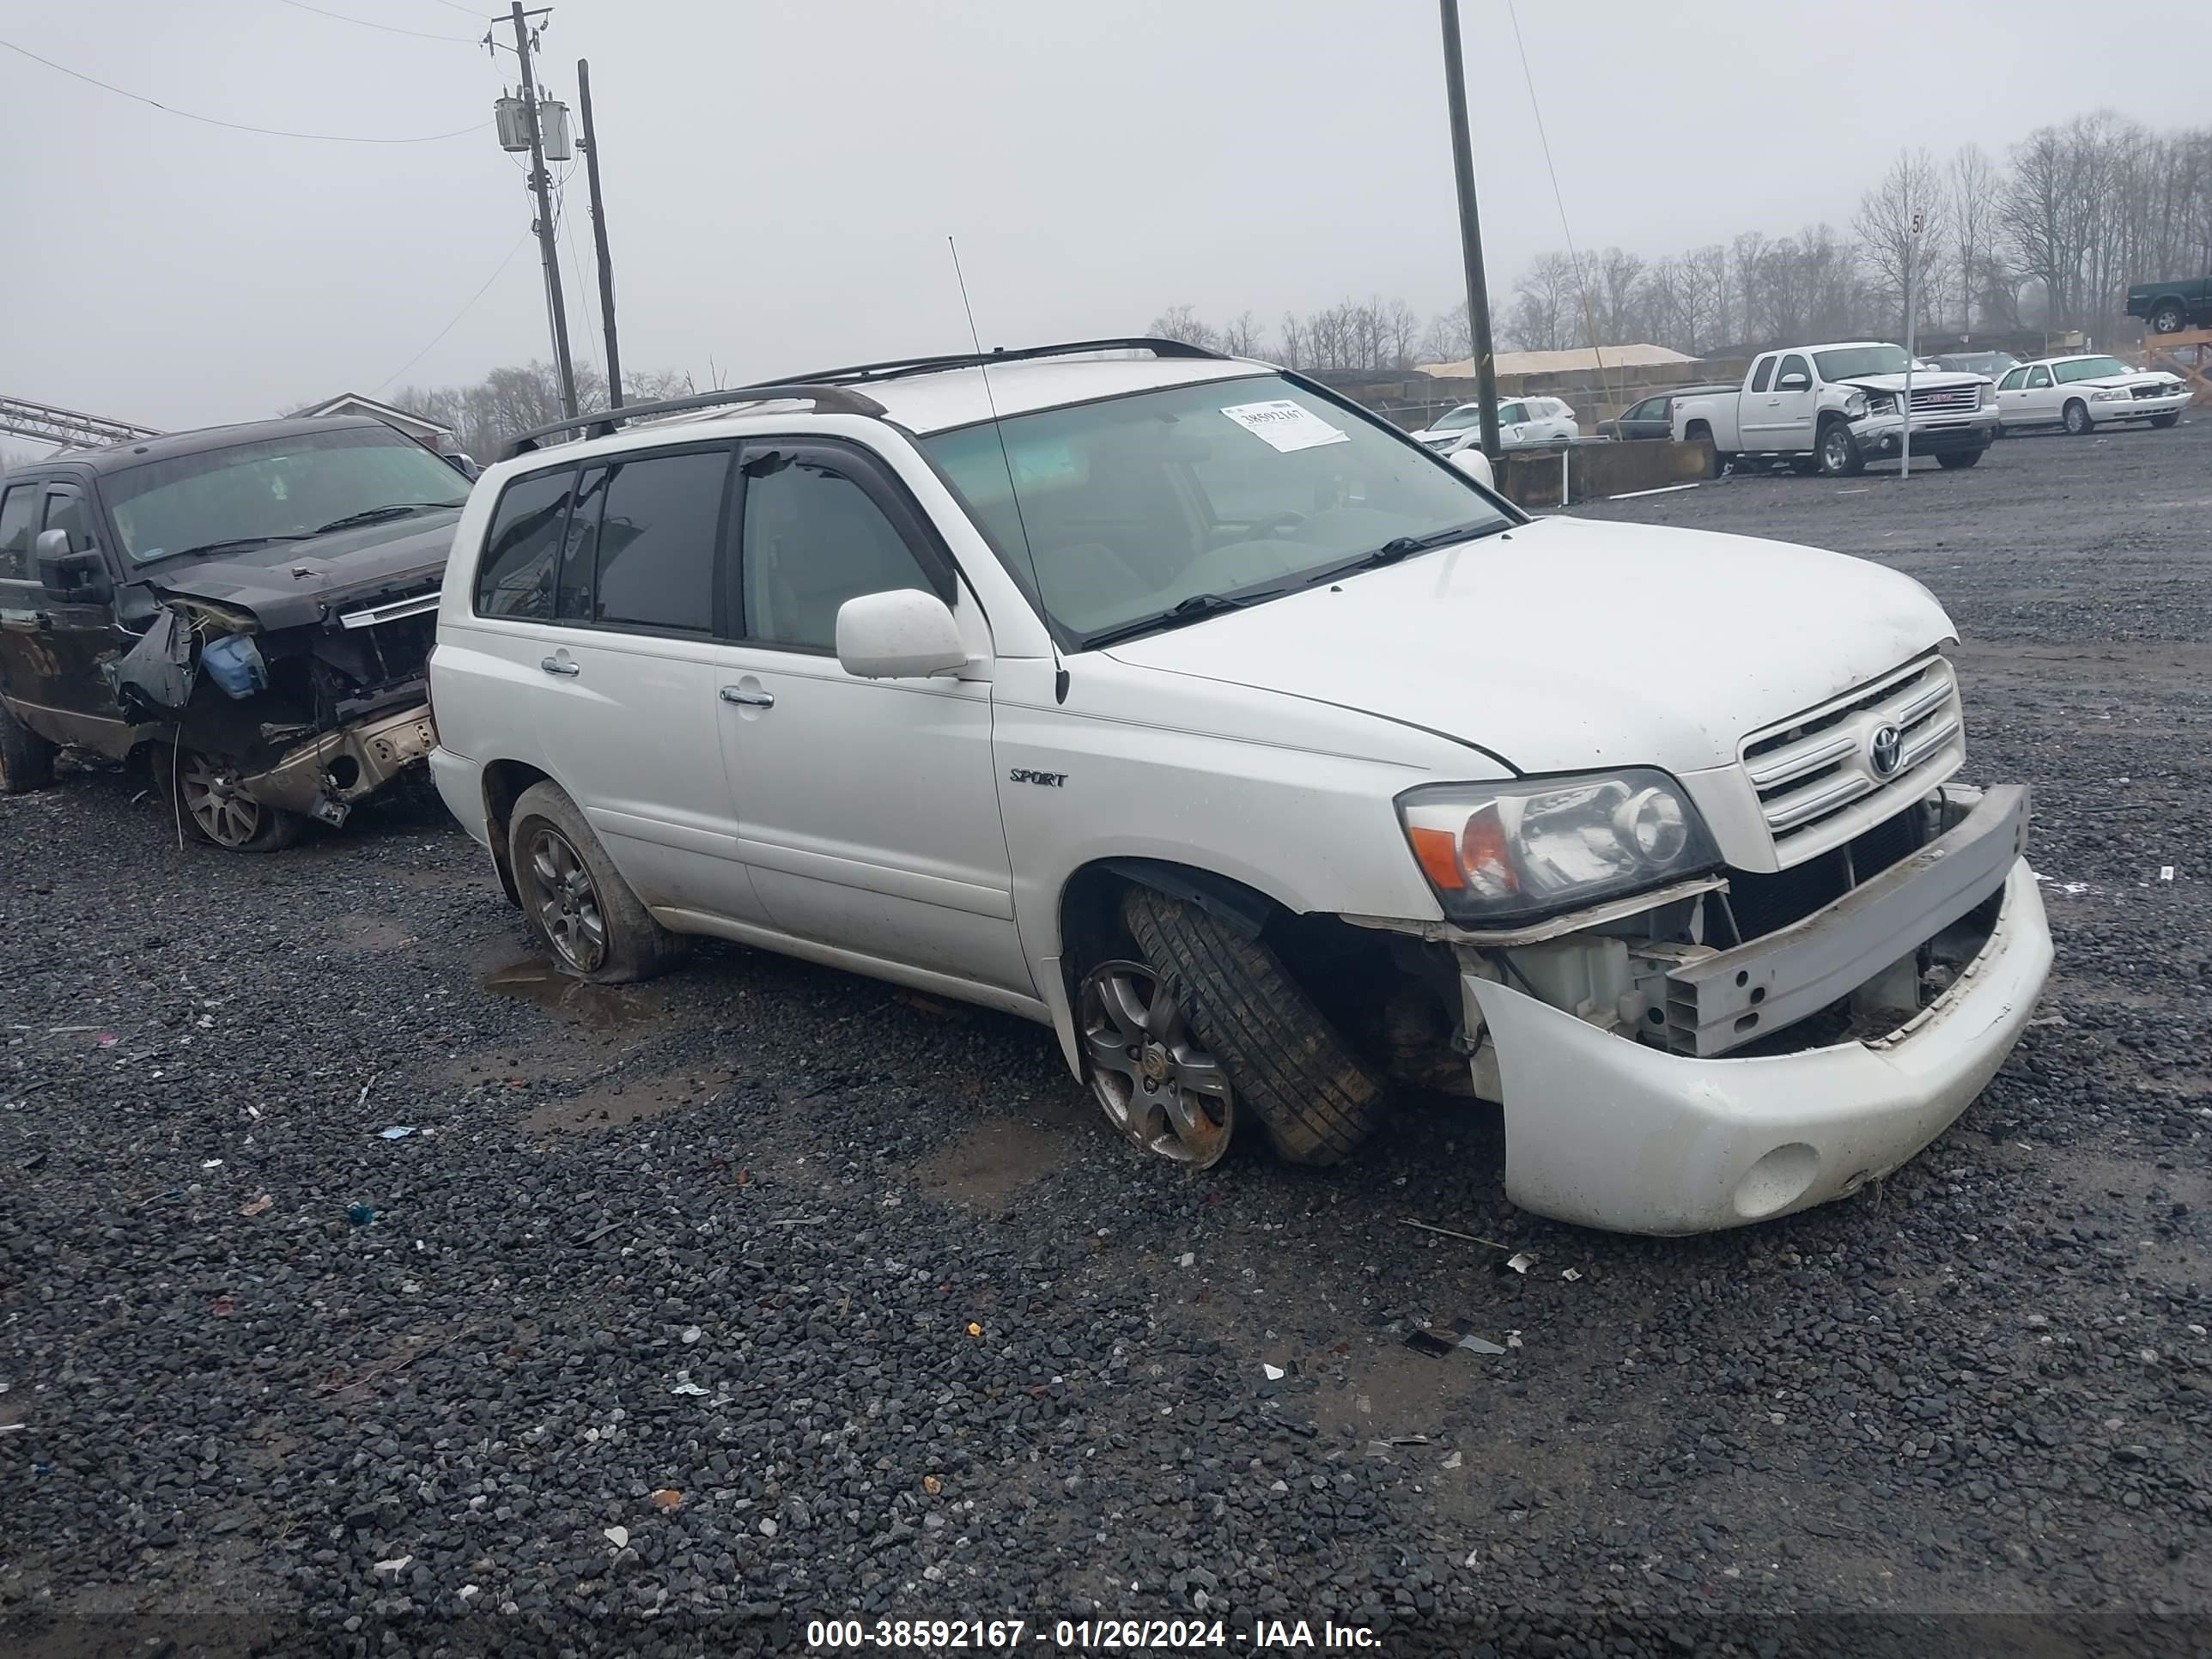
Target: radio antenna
point(983, 368)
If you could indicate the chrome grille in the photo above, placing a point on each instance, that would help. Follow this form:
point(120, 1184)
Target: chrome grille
point(1945, 399)
point(2154, 390)
point(1819, 774)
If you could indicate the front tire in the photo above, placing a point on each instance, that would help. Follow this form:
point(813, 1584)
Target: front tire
point(2167, 319)
point(2166, 419)
point(1314, 1097)
point(1958, 460)
point(26, 760)
point(2076, 420)
point(576, 903)
point(1838, 452)
point(211, 807)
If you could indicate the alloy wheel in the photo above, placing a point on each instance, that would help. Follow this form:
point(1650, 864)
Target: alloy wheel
point(567, 902)
point(225, 813)
point(1150, 1075)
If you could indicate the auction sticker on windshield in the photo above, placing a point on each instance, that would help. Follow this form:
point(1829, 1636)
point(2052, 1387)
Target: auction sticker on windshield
point(1285, 425)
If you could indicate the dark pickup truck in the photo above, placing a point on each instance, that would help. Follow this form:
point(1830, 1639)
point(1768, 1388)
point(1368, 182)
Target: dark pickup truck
point(2171, 307)
point(254, 603)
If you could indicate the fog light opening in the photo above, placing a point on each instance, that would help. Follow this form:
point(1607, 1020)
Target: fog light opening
point(346, 771)
point(1777, 1181)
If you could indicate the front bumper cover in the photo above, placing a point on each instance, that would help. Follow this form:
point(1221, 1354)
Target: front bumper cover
point(1606, 1132)
point(1884, 435)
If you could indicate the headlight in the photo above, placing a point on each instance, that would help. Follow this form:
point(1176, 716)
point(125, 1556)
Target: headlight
point(1855, 406)
point(2108, 394)
point(1988, 394)
point(1879, 403)
point(1510, 852)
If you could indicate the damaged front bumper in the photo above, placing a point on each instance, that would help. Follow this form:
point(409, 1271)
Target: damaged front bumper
point(1878, 435)
point(1612, 1131)
point(325, 775)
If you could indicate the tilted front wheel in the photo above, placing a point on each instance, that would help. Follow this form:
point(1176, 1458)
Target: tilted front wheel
point(213, 807)
point(1952, 459)
point(2166, 419)
point(1156, 1083)
point(26, 760)
point(2078, 418)
point(575, 900)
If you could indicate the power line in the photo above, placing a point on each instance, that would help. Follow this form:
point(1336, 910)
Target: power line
point(237, 126)
point(466, 11)
point(457, 315)
point(387, 29)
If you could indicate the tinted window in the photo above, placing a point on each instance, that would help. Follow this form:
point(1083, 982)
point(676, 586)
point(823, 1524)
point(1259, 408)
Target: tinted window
point(657, 539)
point(19, 528)
point(2012, 381)
point(516, 576)
point(1793, 364)
point(1649, 410)
point(577, 563)
point(1762, 375)
point(1511, 414)
point(813, 540)
point(65, 511)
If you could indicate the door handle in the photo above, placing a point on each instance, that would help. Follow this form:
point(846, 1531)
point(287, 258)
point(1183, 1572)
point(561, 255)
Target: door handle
point(560, 665)
point(750, 699)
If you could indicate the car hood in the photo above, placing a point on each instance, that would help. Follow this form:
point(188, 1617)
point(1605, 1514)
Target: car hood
point(1922, 380)
point(286, 584)
point(1569, 643)
point(2132, 378)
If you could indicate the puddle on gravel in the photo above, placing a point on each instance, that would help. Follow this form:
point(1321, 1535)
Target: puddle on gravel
point(629, 1101)
point(600, 1007)
point(985, 1166)
point(368, 933)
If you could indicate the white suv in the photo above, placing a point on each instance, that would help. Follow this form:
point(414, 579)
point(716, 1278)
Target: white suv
point(1173, 701)
point(1522, 423)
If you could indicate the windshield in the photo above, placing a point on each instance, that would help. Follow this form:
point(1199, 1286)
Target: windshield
point(2090, 369)
point(1237, 488)
point(1465, 414)
point(275, 490)
point(1852, 361)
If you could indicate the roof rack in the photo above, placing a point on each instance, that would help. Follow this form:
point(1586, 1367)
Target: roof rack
point(897, 367)
point(829, 389)
point(602, 424)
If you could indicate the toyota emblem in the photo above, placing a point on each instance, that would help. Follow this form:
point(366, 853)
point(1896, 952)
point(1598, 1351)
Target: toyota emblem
point(1884, 750)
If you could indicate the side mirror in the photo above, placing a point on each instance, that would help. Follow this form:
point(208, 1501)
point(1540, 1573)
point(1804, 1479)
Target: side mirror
point(905, 634)
point(78, 578)
point(1792, 383)
point(1476, 464)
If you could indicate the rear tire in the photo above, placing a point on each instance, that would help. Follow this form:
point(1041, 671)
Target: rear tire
point(1315, 1098)
point(2167, 319)
point(26, 760)
point(2166, 419)
point(577, 904)
point(1957, 460)
point(1838, 452)
point(2077, 419)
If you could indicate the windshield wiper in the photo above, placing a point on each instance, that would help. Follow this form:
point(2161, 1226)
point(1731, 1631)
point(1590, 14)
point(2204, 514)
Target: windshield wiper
point(378, 514)
point(1404, 546)
point(1196, 608)
point(231, 543)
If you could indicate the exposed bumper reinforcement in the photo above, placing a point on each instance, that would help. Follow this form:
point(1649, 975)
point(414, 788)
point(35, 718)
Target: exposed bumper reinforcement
point(324, 777)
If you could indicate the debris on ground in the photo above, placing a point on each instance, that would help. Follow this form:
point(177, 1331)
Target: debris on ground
point(1472, 1238)
point(260, 1205)
point(1570, 1275)
point(667, 1500)
point(360, 1214)
point(1521, 1261)
point(2166, 873)
point(1453, 1461)
point(1460, 1339)
point(1188, 1259)
point(396, 1132)
point(685, 1386)
point(690, 1334)
point(618, 1536)
point(931, 1485)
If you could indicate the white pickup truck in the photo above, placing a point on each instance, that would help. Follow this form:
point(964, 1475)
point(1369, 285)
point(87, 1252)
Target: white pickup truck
point(1831, 409)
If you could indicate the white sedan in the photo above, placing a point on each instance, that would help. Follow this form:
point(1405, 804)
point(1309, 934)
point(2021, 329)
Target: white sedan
point(1522, 423)
point(2083, 392)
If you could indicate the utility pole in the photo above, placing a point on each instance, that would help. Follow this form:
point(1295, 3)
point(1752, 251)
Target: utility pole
point(599, 234)
point(1911, 261)
point(545, 246)
point(1470, 233)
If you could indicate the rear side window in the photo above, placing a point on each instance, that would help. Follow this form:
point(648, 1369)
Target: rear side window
point(658, 533)
point(522, 553)
point(1763, 374)
point(19, 528)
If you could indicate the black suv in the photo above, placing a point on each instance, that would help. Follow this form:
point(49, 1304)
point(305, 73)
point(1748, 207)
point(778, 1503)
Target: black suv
point(260, 601)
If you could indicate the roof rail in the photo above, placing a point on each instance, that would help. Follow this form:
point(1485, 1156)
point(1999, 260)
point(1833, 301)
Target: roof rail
point(603, 422)
point(862, 373)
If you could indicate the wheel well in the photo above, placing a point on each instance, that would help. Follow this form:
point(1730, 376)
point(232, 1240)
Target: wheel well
point(1352, 974)
point(503, 784)
point(1697, 429)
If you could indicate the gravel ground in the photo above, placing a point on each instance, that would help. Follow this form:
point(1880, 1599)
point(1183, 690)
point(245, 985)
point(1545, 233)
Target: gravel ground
point(761, 1294)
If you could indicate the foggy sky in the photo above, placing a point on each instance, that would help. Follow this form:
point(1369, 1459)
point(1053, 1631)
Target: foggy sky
point(781, 176)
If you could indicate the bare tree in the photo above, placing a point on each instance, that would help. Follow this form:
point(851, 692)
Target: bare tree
point(1545, 302)
point(1745, 255)
point(1242, 338)
point(1399, 330)
point(1974, 189)
point(1448, 339)
point(1902, 232)
point(1181, 323)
